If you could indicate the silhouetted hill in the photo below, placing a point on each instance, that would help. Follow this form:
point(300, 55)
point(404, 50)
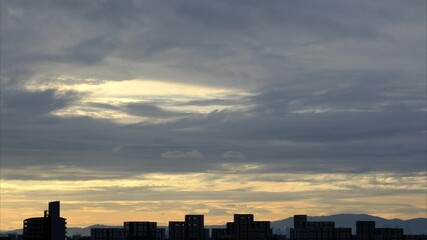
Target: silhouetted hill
point(86, 231)
point(72, 231)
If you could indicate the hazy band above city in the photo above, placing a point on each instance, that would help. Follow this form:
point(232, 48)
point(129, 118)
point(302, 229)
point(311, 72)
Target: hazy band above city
point(132, 110)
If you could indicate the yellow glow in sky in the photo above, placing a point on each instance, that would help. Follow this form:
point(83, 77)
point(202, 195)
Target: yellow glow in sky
point(168, 96)
point(165, 197)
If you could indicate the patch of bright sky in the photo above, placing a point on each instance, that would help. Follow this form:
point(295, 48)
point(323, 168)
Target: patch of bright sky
point(222, 182)
point(77, 202)
point(168, 96)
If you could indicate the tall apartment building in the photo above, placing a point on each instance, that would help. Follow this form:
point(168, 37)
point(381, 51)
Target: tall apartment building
point(49, 227)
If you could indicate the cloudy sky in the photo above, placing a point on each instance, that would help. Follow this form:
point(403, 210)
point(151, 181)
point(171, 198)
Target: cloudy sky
point(148, 110)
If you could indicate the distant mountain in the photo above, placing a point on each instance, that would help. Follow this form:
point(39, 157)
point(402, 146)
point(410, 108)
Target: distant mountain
point(412, 226)
point(86, 231)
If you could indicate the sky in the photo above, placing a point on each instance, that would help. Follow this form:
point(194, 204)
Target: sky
point(150, 110)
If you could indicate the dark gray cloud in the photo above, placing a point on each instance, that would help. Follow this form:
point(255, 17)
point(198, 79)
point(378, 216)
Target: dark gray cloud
point(19, 104)
point(150, 110)
point(382, 140)
point(256, 37)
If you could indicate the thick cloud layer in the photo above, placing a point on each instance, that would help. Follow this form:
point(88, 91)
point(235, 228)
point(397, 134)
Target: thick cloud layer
point(118, 89)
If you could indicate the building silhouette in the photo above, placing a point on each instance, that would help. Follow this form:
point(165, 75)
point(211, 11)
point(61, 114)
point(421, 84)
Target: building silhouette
point(305, 230)
point(193, 228)
point(53, 227)
point(106, 234)
point(244, 228)
point(160, 234)
point(177, 230)
point(365, 230)
point(415, 237)
point(343, 233)
point(140, 230)
point(49, 227)
point(300, 221)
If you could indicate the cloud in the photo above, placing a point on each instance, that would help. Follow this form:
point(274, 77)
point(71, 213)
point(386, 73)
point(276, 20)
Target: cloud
point(181, 154)
point(37, 103)
point(233, 154)
point(238, 88)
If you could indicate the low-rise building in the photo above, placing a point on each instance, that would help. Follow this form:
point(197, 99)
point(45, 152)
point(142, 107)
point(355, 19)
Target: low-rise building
point(140, 230)
point(106, 234)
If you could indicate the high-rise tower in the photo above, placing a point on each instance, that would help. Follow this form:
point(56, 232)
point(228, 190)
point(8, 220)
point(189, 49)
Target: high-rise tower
point(49, 227)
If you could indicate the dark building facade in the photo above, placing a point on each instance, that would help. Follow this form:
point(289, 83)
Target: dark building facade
point(160, 234)
point(106, 234)
point(310, 230)
point(388, 234)
point(49, 227)
point(35, 229)
point(177, 230)
point(193, 228)
point(56, 223)
point(343, 234)
point(221, 234)
point(299, 221)
point(365, 230)
point(306, 230)
point(415, 237)
point(244, 228)
point(140, 230)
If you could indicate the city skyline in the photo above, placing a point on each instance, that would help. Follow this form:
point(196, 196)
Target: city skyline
point(223, 223)
point(127, 110)
point(244, 227)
